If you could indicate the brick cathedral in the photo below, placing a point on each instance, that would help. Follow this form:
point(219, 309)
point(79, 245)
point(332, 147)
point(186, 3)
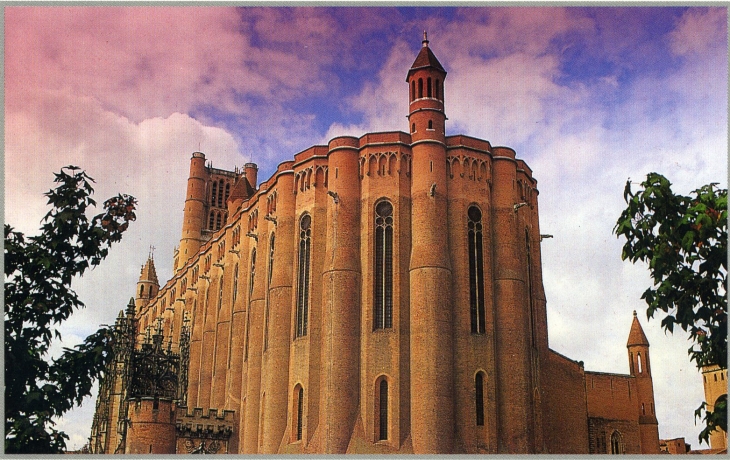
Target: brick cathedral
point(380, 294)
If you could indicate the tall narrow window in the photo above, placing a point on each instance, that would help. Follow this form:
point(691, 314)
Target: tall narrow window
point(271, 257)
point(305, 238)
point(300, 413)
point(420, 88)
point(638, 361)
point(413, 91)
point(383, 292)
point(228, 192)
point(266, 313)
point(220, 292)
point(437, 90)
point(214, 195)
point(531, 307)
point(253, 273)
point(479, 397)
point(248, 310)
point(476, 271)
point(428, 87)
point(383, 409)
point(235, 284)
point(220, 193)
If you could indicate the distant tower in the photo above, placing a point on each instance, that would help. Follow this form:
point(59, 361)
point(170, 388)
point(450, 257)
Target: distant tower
point(640, 367)
point(147, 286)
point(194, 214)
point(432, 376)
point(715, 383)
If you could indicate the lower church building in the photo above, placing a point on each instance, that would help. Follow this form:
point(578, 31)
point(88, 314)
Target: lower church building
point(380, 294)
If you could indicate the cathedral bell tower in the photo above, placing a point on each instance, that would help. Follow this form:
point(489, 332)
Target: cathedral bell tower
point(431, 361)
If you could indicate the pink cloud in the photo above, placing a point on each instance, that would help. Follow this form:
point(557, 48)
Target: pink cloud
point(699, 31)
point(150, 61)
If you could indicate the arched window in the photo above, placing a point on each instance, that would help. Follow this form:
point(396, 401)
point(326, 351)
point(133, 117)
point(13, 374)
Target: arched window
point(211, 222)
point(430, 124)
point(476, 270)
point(638, 360)
point(218, 220)
point(413, 128)
point(616, 443)
point(479, 397)
point(643, 409)
point(214, 195)
point(228, 192)
point(220, 193)
point(428, 87)
point(420, 88)
point(383, 289)
point(437, 90)
point(381, 408)
point(141, 290)
point(305, 238)
point(413, 90)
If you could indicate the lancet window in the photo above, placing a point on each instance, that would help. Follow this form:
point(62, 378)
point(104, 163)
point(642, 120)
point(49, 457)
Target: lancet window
point(476, 271)
point(383, 289)
point(305, 242)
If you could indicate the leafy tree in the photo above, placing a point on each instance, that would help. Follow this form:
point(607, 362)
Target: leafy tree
point(684, 241)
point(38, 298)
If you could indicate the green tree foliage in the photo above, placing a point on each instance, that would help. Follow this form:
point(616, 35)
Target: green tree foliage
point(684, 241)
point(38, 298)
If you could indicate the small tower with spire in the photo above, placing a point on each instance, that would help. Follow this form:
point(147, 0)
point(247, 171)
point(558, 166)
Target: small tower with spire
point(640, 367)
point(148, 285)
point(431, 309)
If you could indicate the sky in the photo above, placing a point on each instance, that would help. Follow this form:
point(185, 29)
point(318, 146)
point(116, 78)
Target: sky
point(589, 97)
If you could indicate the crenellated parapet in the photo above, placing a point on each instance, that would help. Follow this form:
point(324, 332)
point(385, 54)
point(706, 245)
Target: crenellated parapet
point(203, 433)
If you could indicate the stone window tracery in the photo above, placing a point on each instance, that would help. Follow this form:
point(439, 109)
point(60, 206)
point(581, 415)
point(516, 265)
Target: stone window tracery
point(476, 271)
point(305, 241)
point(383, 289)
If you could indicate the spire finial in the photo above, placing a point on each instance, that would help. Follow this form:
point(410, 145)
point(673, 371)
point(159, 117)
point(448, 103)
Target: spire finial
point(634, 312)
point(425, 39)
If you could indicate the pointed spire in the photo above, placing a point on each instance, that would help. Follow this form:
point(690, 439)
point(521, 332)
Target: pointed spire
point(637, 336)
point(148, 272)
point(426, 58)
